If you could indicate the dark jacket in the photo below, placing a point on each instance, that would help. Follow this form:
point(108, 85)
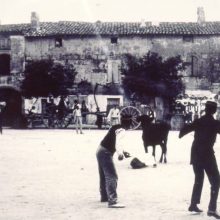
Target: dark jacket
point(206, 129)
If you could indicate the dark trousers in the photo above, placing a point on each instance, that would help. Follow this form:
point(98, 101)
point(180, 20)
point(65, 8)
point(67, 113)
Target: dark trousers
point(211, 169)
point(107, 175)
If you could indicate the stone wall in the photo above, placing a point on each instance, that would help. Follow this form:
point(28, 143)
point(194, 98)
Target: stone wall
point(96, 59)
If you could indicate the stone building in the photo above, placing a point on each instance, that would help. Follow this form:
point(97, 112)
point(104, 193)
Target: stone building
point(96, 50)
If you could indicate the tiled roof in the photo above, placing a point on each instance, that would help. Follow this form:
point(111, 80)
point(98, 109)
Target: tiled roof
point(111, 28)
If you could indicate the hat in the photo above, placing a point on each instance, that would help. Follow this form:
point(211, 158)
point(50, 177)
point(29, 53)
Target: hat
point(211, 104)
point(210, 107)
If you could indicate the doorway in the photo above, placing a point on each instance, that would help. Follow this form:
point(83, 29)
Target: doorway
point(4, 64)
point(12, 112)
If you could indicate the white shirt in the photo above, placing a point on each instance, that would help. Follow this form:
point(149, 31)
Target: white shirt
point(113, 113)
point(77, 112)
point(120, 135)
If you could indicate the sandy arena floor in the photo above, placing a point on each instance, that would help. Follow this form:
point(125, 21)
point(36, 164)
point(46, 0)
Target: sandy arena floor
point(52, 175)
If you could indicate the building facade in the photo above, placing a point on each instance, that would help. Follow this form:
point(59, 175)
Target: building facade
point(96, 49)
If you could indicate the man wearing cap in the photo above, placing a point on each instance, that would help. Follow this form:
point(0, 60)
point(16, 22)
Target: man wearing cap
point(203, 158)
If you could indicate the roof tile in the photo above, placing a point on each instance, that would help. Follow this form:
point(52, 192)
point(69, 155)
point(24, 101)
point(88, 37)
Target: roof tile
point(113, 28)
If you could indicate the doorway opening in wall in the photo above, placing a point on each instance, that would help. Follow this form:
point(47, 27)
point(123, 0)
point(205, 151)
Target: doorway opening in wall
point(12, 113)
point(4, 64)
point(111, 102)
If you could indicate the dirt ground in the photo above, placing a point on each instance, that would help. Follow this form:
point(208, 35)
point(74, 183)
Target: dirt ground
point(52, 175)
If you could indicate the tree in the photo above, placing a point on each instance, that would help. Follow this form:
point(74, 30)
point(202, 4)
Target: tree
point(151, 76)
point(84, 87)
point(45, 77)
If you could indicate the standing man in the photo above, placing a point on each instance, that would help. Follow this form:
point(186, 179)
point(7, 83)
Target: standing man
point(114, 115)
point(51, 111)
point(2, 106)
point(77, 116)
point(110, 144)
point(84, 110)
point(203, 157)
point(62, 108)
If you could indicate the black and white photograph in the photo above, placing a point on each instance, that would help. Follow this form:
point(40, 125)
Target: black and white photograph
point(109, 109)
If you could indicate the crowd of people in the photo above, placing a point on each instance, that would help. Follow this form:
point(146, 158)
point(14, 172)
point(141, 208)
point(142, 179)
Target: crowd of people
point(191, 108)
point(63, 108)
point(79, 112)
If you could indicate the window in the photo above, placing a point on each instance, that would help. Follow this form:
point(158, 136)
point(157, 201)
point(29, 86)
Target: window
point(58, 42)
point(4, 44)
point(114, 40)
point(194, 65)
point(188, 38)
point(113, 75)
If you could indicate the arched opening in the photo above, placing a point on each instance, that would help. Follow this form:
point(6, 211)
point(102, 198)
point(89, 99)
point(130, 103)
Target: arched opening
point(4, 64)
point(12, 113)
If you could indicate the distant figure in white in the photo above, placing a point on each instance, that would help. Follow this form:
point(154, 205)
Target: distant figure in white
point(77, 114)
point(114, 116)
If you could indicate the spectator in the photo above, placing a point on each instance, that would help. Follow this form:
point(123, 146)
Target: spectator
point(84, 110)
point(114, 115)
point(62, 108)
point(51, 111)
point(77, 116)
point(99, 119)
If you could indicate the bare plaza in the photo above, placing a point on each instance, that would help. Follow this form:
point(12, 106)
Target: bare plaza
point(52, 174)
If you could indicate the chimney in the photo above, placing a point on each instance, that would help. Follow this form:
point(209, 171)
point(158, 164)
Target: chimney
point(156, 23)
point(35, 23)
point(200, 15)
point(143, 24)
